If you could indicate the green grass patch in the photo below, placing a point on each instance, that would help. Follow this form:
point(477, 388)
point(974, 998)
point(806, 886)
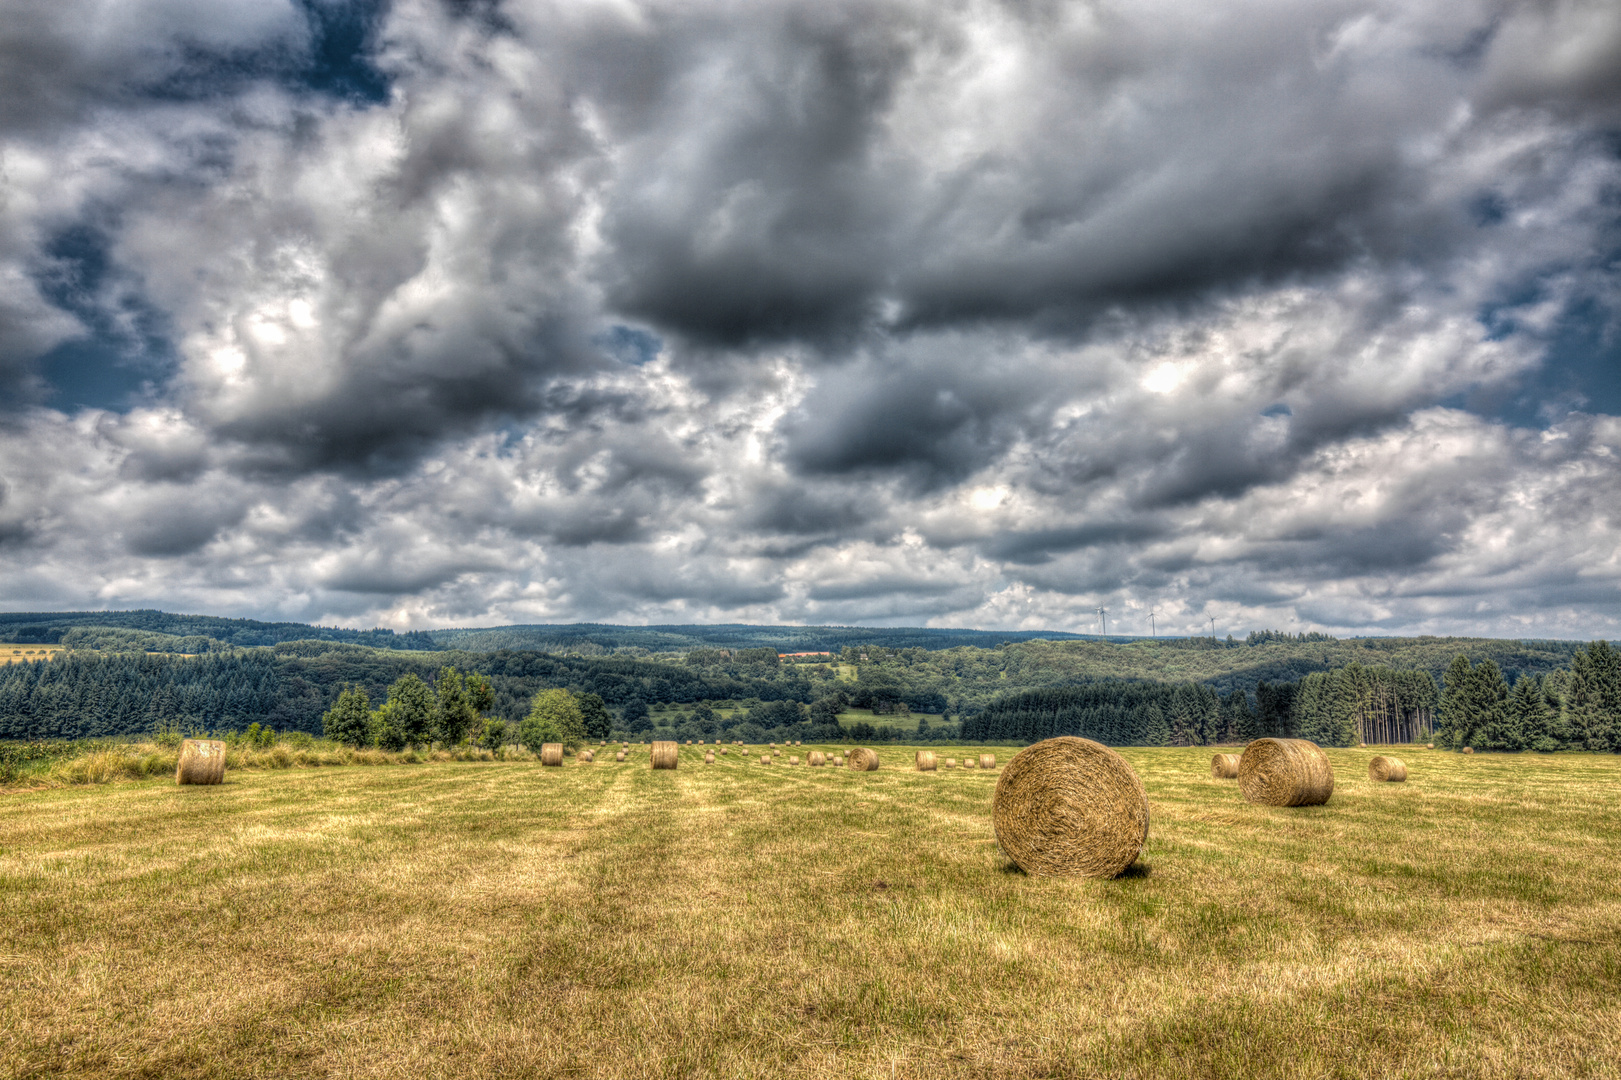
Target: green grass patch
point(746, 920)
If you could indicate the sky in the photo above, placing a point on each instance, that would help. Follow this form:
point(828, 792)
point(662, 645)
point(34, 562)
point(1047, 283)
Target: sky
point(1297, 315)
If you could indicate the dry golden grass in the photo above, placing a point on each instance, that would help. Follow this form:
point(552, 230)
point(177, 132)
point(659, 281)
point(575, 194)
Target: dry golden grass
point(498, 919)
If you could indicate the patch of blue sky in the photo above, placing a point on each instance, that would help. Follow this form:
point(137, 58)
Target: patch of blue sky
point(629, 345)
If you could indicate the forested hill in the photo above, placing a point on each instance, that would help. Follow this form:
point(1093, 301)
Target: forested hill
point(52, 627)
point(590, 638)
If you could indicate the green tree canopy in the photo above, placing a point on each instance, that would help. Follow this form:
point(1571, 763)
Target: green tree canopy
point(349, 719)
point(406, 718)
point(554, 716)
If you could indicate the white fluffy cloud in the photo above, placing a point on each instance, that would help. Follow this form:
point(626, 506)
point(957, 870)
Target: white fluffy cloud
point(882, 312)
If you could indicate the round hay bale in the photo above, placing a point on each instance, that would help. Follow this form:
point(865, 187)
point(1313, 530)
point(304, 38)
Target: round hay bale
point(1224, 766)
point(951, 763)
point(925, 761)
point(709, 759)
point(1285, 772)
point(862, 759)
point(816, 757)
point(838, 760)
point(1070, 807)
point(588, 755)
point(987, 761)
point(765, 759)
point(551, 753)
point(202, 761)
point(1469, 749)
point(666, 754)
point(798, 743)
point(794, 760)
point(619, 756)
point(1362, 744)
point(689, 742)
point(773, 746)
point(1385, 769)
point(1429, 746)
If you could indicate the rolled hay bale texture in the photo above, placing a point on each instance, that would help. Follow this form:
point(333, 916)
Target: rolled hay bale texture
point(765, 759)
point(987, 761)
point(666, 754)
point(1386, 769)
point(551, 753)
point(1285, 772)
point(839, 760)
point(1469, 749)
point(862, 759)
point(951, 763)
point(619, 756)
point(1070, 807)
point(1224, 766)
point(588, 755)
point(816, 757)
point(925, 761)
point(202, 761)
point(709, 759)
point(794, 759)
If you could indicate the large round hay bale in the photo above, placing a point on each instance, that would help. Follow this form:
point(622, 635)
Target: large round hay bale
point(925, 761)
point(765, 759)
point(862, 759)
point(1285, 772)
point(987, 761)
point(202, 761)
point(1224, 766)
point(793, 759)
point(1070, 807)
point(816, 757)
point(1386, 769)
point(551, 753)
point(666, 754)
point(1469, 749)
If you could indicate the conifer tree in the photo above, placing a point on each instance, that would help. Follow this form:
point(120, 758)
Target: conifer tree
point(349, 719)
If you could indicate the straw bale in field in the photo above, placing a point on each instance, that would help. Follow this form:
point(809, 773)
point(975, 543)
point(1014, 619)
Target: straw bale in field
point(925, 761)
point(951, 763)
point(709, 759)
point(765, 759)
point(862, 759)
point(1070, 807)
point(987, 761)
point(794, 760)
point(1469, 749)
point(1285, 772)
point(666, 754)
point(1387, 769)
point(838, 759)
point(588, 755)
point(551, 753)
point(1224, 766)
point(1429, 746)
point(620, 756)
point(202, 761)
point(816, 757)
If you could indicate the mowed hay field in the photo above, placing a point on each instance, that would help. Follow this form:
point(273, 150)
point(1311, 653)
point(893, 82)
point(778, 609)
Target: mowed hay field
point(747, 920)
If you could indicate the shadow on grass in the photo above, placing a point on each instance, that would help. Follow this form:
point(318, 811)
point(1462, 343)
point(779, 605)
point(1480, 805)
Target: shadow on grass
point(1135, 870)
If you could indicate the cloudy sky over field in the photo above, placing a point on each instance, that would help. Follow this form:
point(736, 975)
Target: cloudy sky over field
point(1303, 315)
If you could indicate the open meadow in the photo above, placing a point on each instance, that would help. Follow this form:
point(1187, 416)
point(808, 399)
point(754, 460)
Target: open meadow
point(498, 919)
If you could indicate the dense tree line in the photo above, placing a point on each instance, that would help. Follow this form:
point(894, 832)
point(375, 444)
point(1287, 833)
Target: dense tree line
point(1578, 709)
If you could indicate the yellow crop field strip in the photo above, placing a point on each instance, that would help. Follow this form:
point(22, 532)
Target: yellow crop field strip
point(497, 919)
point(16, 654)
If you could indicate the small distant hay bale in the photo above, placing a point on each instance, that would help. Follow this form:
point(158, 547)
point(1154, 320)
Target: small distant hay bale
point(1429, 746)
point(689, 742)
point(987, 761)
point(1285, 772)
point(951, 763)
point(620, 756)
point(202, 761)
point(1362, 744)
point(798, 743)
point(1469, 749)
point(925, 761)
point(551, 753)
point(765, 759)
point(666, 754)
point(1224, 766)
point(862, 759)
point(588, 755)
point(794, 760)
point(1385, 769)
point(709, 759)
point(773, 746)
point(816, 757)
point(1070, 807)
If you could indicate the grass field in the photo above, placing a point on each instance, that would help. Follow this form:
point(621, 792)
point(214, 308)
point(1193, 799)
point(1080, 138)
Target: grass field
point(739, 920)
point(16, 654)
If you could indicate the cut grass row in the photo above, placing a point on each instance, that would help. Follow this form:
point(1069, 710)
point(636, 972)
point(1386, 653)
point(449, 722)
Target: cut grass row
point(503, 919)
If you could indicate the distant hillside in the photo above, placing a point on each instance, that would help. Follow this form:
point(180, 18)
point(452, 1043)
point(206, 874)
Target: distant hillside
point(34, 627)
point(584, 637)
